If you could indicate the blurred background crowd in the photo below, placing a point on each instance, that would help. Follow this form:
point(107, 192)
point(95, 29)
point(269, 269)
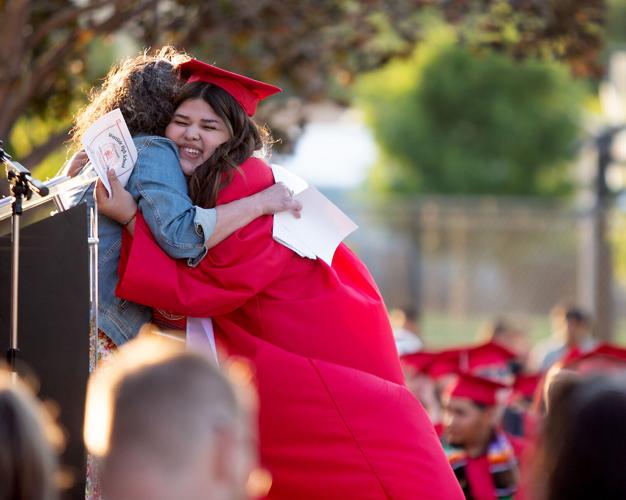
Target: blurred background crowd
point(496, 397)
point(480, 146)
point(165, 423)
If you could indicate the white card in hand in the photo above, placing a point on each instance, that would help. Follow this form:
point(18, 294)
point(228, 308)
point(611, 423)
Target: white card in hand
point(321, 227)
point(108, 144)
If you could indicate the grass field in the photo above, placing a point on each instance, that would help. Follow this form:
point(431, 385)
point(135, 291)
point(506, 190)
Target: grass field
point(441, 331)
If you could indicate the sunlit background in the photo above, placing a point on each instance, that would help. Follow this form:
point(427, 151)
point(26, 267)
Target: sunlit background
point(477, 145)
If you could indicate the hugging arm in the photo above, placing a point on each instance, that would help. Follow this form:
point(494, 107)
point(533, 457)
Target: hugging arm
point(181, 229)
point(232, 273)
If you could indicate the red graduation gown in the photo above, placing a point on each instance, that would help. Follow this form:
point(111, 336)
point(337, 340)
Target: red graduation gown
point(335, 419)
point(479, 476)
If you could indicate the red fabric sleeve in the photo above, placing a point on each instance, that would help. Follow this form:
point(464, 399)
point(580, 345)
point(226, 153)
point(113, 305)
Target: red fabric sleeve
point(231, 273)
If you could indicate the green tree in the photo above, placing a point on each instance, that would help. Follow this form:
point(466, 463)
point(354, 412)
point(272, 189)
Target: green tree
point(313, 48)
point(454, 120)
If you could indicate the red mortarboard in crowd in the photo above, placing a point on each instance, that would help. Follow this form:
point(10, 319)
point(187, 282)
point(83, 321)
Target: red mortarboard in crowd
point(445, 363)
point(246, 91)
point(489, 359)
point(420, 361)
point(526, 384)
point(605, 358)
point(478, 389)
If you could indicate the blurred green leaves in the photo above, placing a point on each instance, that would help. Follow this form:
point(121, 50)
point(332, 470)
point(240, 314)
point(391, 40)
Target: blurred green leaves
point(313, 49)
point(454, 119)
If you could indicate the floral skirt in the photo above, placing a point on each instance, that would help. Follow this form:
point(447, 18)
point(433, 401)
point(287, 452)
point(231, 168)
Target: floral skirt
point(101, 348)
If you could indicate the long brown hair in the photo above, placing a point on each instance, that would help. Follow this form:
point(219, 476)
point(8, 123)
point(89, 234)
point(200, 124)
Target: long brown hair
point(245, 138)
point(581, 447)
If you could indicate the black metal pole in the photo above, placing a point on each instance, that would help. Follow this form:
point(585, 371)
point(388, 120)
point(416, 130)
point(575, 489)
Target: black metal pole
point(18, 190)
point(22, 187)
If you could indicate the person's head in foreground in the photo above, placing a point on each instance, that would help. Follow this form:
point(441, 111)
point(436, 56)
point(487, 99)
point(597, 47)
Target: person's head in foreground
point(177, 429)
point(581, 453)
point(28, 436)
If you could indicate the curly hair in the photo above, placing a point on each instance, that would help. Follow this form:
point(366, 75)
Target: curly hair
point(143, 87)
point(246, 137)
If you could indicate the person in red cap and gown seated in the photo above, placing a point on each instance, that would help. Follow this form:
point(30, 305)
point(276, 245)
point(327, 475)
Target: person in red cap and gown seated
point(520, 415)
point(336, 420)
point(415, 367)
point(484, 459)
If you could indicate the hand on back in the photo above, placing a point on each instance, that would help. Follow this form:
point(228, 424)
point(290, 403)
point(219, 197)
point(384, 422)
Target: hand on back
point(278, 198)
point(76, 163)
point(120, 205)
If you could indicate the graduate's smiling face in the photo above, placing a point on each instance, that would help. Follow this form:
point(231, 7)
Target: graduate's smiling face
point(197, 130)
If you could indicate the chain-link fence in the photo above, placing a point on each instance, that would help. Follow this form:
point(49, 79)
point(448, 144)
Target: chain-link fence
point(465, 261)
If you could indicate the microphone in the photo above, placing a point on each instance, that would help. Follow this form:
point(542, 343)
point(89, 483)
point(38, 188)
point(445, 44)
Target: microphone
point(17, 170)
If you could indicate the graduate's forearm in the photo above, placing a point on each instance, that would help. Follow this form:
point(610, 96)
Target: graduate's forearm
point(239, 213)
point(130, 227)
point(230, 218)
point(233, 216)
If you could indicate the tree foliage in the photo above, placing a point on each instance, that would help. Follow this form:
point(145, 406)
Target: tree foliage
point(570, 31)
point(450, 120)
point(314, 48)
point(47, 47)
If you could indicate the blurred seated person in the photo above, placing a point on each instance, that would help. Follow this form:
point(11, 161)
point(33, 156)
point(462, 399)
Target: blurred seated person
point(519, 419)
point(571, 328)
point(29, 437)
point(604, 359)
point(581, 451)
point(415, 368)
point(483, 458)
point(177, 429)
point(406, 330)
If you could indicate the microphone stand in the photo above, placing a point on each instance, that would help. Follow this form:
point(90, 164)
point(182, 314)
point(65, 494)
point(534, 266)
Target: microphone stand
point(23, 185)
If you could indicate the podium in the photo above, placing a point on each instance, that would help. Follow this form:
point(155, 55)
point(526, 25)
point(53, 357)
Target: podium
point(57, 313)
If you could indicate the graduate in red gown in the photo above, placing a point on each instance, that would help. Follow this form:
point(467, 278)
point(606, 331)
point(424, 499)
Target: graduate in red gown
point(485, 459)
point(335, 418)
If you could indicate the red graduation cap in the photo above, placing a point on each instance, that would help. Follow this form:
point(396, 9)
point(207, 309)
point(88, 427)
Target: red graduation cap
point(488, 354)
point(605, 358)
point(246, 91)
point(488, 359)
point(420, 361)
point(478, 389)
point(445, 363)
point(526, 384)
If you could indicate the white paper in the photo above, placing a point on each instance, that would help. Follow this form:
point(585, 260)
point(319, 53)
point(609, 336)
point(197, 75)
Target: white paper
point(108, 144)
point(291, 180)
point(200, 337)
point(321, 227)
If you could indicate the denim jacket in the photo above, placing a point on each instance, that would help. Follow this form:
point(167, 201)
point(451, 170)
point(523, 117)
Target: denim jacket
point(160, 188)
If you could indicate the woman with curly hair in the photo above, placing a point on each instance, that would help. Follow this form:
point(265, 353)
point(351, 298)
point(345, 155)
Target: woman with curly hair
point(335, 418)
point(143, 89)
